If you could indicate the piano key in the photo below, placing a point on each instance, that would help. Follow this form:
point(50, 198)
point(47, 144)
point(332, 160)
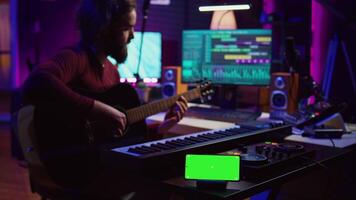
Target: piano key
point(161, 146)
point(194, 139)
point(208, 136)
point(155, 147)
point(138, 150)
point(187, 142)
point(177, 144)
point(151, 150)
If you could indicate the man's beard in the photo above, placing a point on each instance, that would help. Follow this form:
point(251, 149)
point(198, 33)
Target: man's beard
point(119, 54)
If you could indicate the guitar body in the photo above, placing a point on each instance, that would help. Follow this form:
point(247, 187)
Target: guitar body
point(69, 143)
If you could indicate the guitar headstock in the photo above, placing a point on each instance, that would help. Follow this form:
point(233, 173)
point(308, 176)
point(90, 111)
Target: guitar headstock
point(206, 90)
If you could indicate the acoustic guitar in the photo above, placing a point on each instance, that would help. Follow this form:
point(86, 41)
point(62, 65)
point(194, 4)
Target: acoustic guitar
point(69, 142)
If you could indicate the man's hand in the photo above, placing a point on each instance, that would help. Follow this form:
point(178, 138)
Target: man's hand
point(111, 117)
point(174, 115)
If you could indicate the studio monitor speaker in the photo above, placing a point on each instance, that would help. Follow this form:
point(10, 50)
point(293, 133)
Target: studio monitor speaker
point(283, 94)
point(172, 82)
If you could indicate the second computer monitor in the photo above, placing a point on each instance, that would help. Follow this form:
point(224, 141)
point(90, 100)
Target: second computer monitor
point(150, 59)
point(237, 57)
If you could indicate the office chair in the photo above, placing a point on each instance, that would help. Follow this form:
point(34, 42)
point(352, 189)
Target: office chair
point(40, 181)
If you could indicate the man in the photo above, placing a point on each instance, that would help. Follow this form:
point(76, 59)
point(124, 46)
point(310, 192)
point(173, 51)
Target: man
point(106, 27)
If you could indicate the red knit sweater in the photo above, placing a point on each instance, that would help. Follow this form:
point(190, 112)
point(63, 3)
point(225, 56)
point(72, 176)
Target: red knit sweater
point(55, 79)
point(68, 70)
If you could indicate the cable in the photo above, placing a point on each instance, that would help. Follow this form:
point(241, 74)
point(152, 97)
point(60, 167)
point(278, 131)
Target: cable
point(332, 142)
point(221, 17)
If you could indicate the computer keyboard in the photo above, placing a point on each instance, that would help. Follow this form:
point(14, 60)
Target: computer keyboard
point(236, 115)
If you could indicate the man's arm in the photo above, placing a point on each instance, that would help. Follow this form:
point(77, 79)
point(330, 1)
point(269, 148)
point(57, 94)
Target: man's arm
point(48, 83)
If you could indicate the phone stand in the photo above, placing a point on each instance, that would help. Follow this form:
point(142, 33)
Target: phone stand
point(220, 185)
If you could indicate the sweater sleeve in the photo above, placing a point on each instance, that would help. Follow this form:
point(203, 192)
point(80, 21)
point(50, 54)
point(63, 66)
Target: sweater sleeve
point(49, 83)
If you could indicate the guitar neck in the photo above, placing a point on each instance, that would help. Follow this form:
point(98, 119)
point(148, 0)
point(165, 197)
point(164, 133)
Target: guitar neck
point(142, 112)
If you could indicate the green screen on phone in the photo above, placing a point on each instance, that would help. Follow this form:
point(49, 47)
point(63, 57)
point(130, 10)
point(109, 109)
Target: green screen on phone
point(212, 167)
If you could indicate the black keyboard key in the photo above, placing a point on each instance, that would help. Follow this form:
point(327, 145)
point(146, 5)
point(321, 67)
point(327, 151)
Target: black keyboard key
point(134, 150)
point(191, 141)
point(194, 139)
point(187, 141)
point(203, 138)
point(183, 142)
point(207, 135)
point(148, 149)
point(139, 150)
point(217, 136)
point(229, 133)
point(223, 133)
point(161, 148)
point(155, 148)
point(177, 144)
point(170, 145)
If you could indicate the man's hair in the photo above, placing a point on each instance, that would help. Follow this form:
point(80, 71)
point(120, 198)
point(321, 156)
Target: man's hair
point(94, 16)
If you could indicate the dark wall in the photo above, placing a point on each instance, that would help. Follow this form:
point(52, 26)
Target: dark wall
point(47, 26)
point(43, 28)
point(195, 19)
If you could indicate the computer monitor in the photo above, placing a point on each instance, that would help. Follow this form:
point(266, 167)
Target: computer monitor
point(233, 57)
point(151, 58)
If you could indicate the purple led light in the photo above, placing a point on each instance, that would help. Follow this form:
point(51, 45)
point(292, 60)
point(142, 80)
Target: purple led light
point(319, 41)
point(269, 6)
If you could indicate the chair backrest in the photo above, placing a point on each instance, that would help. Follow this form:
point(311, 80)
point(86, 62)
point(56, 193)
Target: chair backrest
point(26, 133)
point(26, 136)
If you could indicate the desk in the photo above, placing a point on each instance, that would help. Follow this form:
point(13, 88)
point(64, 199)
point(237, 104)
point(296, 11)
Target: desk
point(247, 188)
point(327, 159)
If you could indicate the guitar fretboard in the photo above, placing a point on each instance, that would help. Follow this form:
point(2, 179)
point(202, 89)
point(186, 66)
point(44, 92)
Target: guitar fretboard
point(142, 112)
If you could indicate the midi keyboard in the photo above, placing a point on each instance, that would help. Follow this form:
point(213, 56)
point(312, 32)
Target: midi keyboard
point(171, 151)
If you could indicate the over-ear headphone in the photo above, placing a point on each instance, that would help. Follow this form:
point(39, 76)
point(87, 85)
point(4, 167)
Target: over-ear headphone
point(111, 9)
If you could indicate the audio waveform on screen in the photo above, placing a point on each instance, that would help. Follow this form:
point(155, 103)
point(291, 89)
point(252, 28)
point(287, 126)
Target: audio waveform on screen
point(237, 74)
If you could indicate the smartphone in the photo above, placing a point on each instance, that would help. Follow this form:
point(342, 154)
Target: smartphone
point(212, 167)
